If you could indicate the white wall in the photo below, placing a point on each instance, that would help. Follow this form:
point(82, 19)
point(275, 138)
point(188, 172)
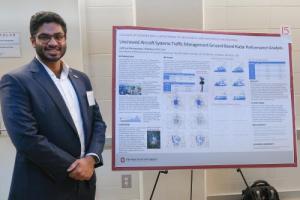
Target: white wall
point(169, 13)
point(15, 17)
point(94, 55)
point(101, 15)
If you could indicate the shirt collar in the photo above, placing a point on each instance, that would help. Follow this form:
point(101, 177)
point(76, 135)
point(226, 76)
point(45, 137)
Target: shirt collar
point(64, 73)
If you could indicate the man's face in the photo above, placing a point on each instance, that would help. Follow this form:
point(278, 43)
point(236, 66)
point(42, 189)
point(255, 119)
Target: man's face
point(50, 42)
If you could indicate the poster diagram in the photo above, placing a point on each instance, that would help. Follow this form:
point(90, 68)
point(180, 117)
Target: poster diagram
point(200, 100)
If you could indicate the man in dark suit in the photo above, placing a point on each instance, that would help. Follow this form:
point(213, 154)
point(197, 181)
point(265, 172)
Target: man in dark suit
point(52, 119)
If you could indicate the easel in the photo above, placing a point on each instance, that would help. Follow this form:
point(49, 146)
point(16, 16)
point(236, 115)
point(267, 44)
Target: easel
point(240, 171)
point(166, 172)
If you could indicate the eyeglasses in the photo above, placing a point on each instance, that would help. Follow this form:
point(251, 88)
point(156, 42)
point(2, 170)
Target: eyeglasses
point(45, 38)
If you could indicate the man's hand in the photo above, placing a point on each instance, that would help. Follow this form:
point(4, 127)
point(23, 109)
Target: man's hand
point(82, 169)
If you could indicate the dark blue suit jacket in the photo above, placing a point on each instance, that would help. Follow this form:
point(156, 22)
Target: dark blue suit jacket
point(44, 134)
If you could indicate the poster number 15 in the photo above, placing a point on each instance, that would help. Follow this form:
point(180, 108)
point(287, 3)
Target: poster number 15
point(285, 30)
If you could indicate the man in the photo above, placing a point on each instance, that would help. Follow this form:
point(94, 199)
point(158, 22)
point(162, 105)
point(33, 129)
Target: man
point(52, 119)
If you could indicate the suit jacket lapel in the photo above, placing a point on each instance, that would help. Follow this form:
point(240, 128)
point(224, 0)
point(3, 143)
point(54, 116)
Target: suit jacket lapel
point(82, 99)
point(41, 75)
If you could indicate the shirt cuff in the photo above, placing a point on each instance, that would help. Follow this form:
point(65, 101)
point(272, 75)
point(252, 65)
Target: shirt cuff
point(95, 156)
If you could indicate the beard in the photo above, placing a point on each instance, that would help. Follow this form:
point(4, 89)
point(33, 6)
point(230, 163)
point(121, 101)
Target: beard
point(45, 54)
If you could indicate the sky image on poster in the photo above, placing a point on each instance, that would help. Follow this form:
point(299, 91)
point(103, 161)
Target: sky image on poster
point(186, 99)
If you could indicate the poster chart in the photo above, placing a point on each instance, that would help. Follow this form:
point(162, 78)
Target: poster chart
point(187, 99)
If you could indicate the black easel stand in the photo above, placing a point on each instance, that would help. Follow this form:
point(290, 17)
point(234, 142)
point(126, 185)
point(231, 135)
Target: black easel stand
point(240, 171)
point(191, 189)
point(164, 172)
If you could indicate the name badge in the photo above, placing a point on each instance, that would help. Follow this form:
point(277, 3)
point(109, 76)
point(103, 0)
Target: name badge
point(90, 98)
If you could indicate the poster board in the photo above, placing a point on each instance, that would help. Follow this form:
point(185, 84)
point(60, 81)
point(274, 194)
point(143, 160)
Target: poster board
point(187, 99)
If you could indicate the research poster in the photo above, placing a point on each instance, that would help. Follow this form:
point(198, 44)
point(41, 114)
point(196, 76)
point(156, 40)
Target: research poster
point(187, 99)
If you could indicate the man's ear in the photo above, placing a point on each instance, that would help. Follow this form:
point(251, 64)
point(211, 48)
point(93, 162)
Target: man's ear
point(33, 41)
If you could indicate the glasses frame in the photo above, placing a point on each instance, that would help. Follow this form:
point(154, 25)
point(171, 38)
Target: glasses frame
point(46, 38)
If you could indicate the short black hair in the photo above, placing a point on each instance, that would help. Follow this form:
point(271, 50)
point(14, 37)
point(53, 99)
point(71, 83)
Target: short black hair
point(39, 18)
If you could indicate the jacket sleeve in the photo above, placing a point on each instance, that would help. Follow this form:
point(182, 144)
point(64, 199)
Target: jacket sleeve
point(98, 131)
point(23, 130)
